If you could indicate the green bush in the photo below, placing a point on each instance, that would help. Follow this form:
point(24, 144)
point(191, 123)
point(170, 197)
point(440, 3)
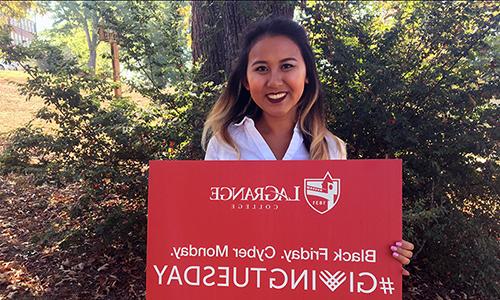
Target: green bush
point(104, 143)
point(416, 81)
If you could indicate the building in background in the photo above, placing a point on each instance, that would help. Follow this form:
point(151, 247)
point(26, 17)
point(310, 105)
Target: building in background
point(23, 31)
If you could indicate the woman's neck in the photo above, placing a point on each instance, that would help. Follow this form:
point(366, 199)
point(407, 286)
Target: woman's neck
point(277, 132)
point(275, 126)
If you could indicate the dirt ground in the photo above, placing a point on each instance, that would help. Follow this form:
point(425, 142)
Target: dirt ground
point(35, 265)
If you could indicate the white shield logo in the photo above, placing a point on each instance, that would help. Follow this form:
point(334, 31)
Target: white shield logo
point(322, 194)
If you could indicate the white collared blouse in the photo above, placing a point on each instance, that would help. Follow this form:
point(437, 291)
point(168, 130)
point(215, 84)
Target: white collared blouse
point(252, 145)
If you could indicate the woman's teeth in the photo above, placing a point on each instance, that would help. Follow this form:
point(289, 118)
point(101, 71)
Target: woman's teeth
point(276, 96)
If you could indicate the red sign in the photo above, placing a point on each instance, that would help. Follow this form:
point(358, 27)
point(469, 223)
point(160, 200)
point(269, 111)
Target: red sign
point(273, 229)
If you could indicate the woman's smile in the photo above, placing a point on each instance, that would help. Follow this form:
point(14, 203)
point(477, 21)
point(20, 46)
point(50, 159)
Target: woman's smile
point(277, 97)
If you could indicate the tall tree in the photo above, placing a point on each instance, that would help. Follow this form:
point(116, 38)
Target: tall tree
point(217, 28)
point(80, 14)
point(153, 36)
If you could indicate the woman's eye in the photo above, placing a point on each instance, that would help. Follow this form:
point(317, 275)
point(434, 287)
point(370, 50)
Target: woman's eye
point(261, 69)
point(287, 66)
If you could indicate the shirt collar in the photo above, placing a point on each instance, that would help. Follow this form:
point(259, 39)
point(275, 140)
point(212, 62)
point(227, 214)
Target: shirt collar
point(249, 121)
point(244, 120)
point(293, 147)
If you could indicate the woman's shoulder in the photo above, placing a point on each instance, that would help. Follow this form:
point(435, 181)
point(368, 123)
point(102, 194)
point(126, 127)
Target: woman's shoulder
point(336, 146)
point(218, 149)
point(238, 133)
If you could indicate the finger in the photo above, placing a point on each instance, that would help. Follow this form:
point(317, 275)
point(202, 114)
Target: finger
point(402, 259)
point(405, 253)
point(405, 245)
point(406, 273)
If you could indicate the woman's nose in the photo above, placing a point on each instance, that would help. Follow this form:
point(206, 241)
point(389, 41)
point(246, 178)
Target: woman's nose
point(275, 79)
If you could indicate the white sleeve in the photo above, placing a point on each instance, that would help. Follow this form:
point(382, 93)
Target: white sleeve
point(212, 149)
point(336, 147)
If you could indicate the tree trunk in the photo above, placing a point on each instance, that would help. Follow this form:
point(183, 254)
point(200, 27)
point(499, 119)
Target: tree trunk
point(208, 40)
point(92, 60)
point(217, 28)
point(92, 51)
point(94, 42)
point(91, 35)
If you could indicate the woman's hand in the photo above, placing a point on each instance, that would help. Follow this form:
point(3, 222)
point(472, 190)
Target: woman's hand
point(403, 251)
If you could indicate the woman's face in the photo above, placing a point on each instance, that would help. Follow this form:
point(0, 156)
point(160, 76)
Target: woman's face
point(276, 75)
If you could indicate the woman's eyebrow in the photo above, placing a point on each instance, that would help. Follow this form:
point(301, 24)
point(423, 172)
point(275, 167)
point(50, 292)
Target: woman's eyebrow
point(263, 61)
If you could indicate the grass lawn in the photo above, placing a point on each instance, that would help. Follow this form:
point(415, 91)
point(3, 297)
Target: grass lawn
point(16, 111)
